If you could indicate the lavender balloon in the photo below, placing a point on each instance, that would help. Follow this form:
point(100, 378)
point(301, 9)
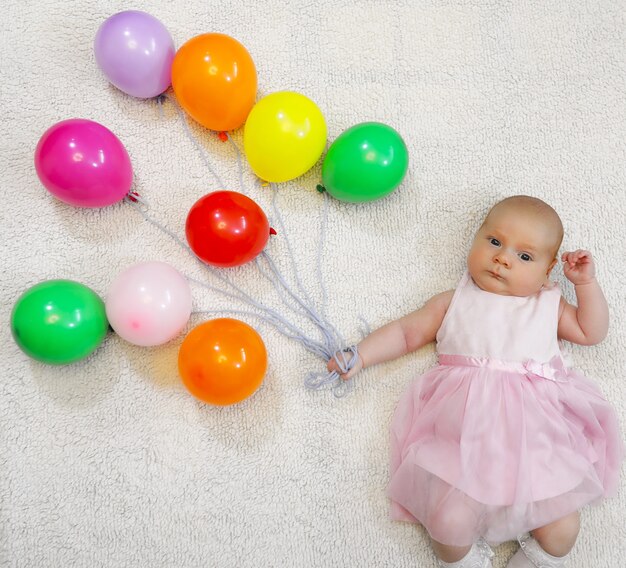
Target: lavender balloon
point(135, 52)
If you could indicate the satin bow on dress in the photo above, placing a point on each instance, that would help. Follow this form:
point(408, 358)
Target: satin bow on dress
point(553, 370)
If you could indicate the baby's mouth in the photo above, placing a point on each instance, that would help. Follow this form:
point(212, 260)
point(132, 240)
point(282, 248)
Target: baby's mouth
point(495, 275)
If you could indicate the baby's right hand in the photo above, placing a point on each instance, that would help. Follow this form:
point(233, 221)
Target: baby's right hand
point(578, 266)
point(333, 366)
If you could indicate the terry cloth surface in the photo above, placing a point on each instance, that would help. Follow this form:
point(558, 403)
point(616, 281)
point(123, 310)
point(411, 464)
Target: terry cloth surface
point(109, 462)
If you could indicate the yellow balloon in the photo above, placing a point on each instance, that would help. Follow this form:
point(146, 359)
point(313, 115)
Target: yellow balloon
point(284, 136)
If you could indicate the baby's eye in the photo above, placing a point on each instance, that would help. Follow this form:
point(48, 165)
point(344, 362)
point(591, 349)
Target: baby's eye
point(525, 256)
point(494, 242)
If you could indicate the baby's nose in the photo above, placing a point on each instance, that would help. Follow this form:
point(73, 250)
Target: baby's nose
point(502, 258)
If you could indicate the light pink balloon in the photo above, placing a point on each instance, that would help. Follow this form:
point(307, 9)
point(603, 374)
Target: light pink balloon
point(149, 303)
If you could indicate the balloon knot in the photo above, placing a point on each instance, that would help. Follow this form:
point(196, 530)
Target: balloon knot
point(264, 183)
point(320, 188)
point(133, 196)
point(273, 231)
point(222, 136)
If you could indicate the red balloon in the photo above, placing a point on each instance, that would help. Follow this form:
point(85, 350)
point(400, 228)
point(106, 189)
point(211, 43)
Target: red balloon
point(226, 228)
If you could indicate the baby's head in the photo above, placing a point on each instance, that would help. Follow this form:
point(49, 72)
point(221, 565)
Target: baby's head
point(516, 247)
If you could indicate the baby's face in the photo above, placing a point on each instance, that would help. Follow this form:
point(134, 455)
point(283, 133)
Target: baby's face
point(513, 253)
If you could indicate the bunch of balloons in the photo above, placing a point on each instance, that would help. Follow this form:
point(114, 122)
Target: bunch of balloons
point(84, 164)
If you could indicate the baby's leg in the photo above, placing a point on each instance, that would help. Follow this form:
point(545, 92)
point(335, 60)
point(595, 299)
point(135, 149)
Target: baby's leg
point(558, 538)
point(453, 521)
point(549, 545)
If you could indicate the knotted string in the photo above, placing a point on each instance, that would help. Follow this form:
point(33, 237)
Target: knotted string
point(316, 380)
point(134, 198)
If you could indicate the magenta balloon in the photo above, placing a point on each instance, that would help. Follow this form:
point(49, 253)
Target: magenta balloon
point(83, 163)
point(135, 52)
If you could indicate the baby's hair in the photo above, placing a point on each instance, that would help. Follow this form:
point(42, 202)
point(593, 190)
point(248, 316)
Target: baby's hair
point(535, 206)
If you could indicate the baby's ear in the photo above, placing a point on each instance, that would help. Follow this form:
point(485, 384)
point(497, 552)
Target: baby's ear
point(552, 264)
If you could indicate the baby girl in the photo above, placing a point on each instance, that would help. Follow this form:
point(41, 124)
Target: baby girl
point(501, 440)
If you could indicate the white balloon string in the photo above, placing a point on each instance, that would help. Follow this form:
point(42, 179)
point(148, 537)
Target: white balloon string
point(281, 224)
point(194, 141)
point(279, 282)
point(320, 252)
point(159, 100)
point(269, 315)
point(338, 339)
point(239, 162)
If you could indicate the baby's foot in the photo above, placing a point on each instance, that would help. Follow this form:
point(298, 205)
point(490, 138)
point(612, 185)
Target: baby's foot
point(531, 555)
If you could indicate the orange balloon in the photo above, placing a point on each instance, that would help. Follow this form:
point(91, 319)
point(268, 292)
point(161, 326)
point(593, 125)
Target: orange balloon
point(222, 361)
point(214, 79)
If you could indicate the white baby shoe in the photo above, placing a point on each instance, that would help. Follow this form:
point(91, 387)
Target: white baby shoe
point(479, 556)
point(531, 555)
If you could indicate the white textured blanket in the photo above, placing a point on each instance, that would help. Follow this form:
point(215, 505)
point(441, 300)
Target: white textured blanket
point(109, 462)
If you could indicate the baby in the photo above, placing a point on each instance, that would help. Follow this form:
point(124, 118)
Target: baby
point(500, 439)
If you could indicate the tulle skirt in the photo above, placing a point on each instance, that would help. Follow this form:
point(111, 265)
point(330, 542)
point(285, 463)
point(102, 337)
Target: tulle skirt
point(495, 453)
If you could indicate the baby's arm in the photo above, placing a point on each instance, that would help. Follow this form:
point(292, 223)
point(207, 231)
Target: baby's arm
point(588, 323)
point(400, 336)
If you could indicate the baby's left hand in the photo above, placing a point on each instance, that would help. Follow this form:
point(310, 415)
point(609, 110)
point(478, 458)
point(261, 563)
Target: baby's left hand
point(578, 267)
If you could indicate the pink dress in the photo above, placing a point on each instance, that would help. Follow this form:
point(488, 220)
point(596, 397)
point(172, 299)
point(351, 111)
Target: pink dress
point(500, 437)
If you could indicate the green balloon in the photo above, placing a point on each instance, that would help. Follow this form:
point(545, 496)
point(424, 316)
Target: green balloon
point(366, 162)
point(59, 321)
